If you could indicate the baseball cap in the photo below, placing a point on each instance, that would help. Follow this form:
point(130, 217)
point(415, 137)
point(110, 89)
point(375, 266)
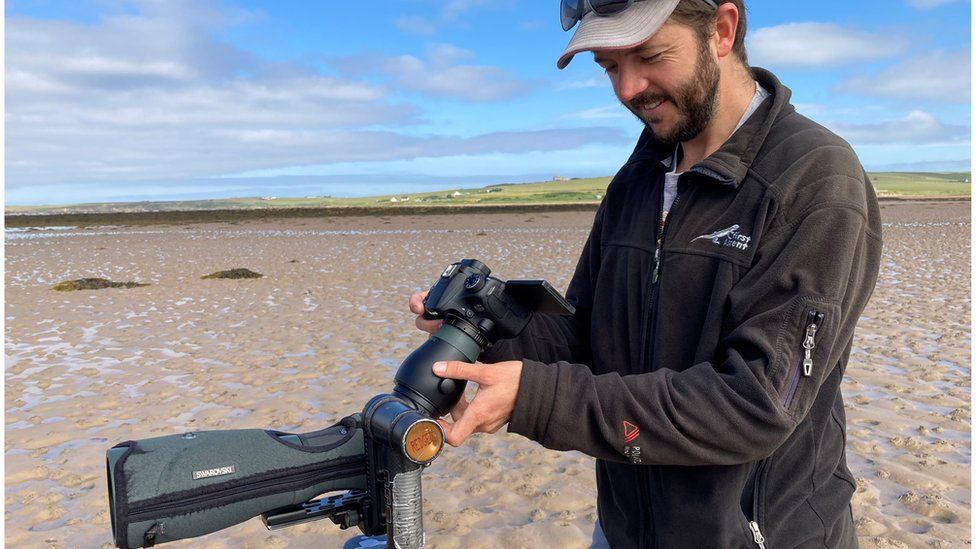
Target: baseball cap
point(626, 29)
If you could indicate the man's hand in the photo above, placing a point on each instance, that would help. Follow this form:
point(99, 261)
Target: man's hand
point(417, 308)
point(492, 405)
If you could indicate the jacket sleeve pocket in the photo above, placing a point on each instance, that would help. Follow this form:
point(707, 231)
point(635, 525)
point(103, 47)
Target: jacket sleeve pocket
point(806, 339)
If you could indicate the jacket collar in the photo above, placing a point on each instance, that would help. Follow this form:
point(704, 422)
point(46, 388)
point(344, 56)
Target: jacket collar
point(730, 163)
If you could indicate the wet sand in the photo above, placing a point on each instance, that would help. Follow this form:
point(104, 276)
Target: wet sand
point(327, 326)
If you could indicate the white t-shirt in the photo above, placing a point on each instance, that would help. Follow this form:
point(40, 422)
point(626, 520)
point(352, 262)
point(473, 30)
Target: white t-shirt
point(671, 178)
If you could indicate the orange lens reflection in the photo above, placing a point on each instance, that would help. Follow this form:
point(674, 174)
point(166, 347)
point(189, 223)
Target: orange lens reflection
point(423, 441)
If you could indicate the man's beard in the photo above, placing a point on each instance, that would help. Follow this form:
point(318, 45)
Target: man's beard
point(695, 101)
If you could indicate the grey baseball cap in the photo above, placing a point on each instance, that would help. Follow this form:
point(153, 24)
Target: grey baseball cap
point(626, 29)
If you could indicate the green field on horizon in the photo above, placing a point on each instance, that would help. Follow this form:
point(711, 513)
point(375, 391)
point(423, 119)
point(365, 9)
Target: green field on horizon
point(921, 184)
point(569, 191)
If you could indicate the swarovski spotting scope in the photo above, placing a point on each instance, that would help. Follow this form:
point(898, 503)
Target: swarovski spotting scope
point(364, 470)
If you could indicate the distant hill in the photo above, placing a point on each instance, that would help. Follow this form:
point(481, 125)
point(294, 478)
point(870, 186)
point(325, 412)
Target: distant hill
point(562, 191)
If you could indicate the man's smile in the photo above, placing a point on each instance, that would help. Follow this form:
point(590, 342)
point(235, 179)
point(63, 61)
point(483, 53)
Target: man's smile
point(651, 107)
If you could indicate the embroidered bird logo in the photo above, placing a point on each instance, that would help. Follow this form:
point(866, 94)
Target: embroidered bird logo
point(718, 234)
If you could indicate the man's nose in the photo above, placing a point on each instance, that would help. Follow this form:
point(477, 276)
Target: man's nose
point(630, 84)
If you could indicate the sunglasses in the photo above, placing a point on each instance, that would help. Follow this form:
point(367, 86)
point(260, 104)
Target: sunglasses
point(572, 11)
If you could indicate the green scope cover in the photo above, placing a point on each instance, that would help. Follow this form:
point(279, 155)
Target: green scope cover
point(182, 486)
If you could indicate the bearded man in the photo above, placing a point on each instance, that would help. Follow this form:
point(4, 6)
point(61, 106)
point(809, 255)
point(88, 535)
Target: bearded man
point(716, 299)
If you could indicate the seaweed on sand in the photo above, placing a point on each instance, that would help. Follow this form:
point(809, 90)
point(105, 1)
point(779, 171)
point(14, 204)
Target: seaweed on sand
point(93, 284)
point(234, 274)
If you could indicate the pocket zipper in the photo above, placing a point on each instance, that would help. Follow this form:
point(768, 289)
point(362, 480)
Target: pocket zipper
point(757, 535)
point(814, 320)
point(805, 366)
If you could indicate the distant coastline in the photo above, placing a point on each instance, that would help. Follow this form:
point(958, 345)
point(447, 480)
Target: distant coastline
point(252, 214)
point(232, 215)
point(560, 194)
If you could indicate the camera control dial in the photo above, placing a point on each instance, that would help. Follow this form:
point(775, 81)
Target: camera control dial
point(474, 282)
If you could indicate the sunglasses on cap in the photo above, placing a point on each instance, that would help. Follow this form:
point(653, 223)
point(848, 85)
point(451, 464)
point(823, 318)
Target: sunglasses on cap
point(572, 11)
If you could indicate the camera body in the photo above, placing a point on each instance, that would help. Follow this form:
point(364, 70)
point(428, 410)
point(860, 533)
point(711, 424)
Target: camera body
point(466, 293)
point(477, 310)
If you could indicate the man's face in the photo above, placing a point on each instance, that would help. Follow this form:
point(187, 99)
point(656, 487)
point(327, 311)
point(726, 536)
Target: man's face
point(669, 82)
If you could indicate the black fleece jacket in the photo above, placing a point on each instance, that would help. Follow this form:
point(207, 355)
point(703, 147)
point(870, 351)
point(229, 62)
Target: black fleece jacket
point(703, 365)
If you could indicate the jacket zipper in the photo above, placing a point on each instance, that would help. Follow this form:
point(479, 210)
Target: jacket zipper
point(649, 319)
point(757, 536)
point(651, 323)
point(642, 489)
point(644, 501)
point(304, 479)
point(660, 239)
point(805, 364)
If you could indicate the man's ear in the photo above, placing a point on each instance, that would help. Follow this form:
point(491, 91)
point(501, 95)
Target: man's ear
point(726, 23)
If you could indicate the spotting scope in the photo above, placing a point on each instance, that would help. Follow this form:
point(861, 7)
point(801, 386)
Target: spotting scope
point(364, 471)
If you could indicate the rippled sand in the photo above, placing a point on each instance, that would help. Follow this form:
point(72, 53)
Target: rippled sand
point(327, 326)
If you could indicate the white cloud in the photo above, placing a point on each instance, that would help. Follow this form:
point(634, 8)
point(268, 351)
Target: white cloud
point(595, 82)
point(442, 55)
point(917, 127)
point(600, 113)
point(451, 13)
point(928, 4)
point(440, 74)
point(415, 24)
point(818, 45)
point(937, 75)
point(86, 105)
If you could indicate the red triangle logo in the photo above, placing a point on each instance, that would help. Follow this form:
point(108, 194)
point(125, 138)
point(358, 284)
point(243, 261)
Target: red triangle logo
point(630, 431)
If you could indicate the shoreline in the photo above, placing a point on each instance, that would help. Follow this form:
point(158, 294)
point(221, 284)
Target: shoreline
point(234, 215)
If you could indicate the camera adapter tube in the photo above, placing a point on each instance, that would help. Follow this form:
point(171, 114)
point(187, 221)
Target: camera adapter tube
point(415, 380)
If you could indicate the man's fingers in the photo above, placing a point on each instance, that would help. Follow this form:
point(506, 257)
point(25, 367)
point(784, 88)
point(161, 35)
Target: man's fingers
point(459, 431)
point(460, 370)
point(459, 408)
point(417, 307)
point(448, 433)
point(429, 326)
point(417, 302)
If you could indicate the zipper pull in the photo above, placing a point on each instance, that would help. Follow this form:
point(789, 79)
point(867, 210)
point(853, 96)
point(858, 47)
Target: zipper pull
point(757, 535)
point(814, 318)
point(657, 263)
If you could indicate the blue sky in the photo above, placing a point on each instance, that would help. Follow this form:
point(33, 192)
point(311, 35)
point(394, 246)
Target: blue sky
point(112, 100)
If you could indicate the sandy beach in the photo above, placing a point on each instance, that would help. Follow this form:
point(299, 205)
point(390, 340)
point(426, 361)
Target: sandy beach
point(327, 326)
